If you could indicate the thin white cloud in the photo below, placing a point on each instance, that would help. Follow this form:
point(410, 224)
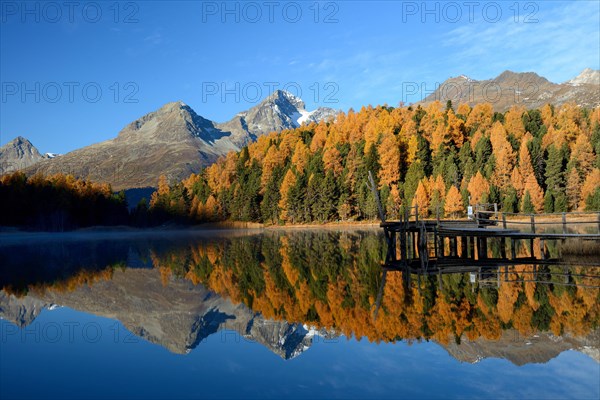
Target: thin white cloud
point(155, 39)
point(562, 38)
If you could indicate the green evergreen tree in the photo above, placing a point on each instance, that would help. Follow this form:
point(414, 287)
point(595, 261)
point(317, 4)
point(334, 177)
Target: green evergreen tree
point(494, 195)
point(592, 203)
point(532, 120)
point(555, 170)
point(548, 202)
point(269, 206)
point(424, 154)
point(451, 171)
point(466, 163)
point(596, 143)
point(200, 188)
point(296, 195)
point(372, 163)
point(414, 174)
point(560, 203)
point(528, 207)
point(483, 152)
point(510, 201)
point(537, 160)
point(247, 197)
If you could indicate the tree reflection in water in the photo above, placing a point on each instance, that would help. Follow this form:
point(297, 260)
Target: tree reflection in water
point(332, 280)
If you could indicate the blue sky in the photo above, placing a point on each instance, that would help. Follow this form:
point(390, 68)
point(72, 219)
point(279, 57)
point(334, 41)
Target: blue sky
point(75, 76)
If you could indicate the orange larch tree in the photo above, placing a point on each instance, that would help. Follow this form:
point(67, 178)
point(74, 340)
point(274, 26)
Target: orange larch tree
point(421, 198)
point(478, 187)
point(300, 157)
point(389, 158)
point(289, 180)
point(535, 192)
point(332, 160)
point(454, 204)
point(513, 121)
point(591, 183)
point(505, 157)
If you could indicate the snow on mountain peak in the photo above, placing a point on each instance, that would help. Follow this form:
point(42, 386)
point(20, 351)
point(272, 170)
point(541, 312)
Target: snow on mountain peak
point(466, 78)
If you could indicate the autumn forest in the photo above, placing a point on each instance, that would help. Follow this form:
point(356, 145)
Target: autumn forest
point(438, 157)
point(532, 161)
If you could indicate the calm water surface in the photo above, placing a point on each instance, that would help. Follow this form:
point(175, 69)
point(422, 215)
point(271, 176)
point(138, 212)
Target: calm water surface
point(282, 314)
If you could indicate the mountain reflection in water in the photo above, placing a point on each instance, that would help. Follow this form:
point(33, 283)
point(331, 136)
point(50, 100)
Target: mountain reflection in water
point(282, 289)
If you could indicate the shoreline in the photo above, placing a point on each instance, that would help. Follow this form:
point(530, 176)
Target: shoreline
point(222, 226)
point(14, 236)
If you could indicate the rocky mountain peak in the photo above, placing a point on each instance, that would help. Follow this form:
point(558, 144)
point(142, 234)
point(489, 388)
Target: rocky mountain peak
point(280, 110)
point(20, 140)
point(285, 97)
point(587, 76)
point(174, 120)
point(17, 154)
point(510, 77)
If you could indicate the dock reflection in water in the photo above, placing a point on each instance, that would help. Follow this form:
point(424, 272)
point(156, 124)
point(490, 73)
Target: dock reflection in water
point(289, 290)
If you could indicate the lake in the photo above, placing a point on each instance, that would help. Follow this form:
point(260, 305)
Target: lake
point(282, 313)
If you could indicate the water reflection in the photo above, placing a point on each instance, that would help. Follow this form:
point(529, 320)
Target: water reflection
point(284, 289)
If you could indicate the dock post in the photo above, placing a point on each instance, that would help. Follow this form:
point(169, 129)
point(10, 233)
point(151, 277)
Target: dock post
point(564, 222)
point(435, 241)
point(484, 247)
point(403, 252)
point(542, 250)
point(503, 220)
point(503, 247)
point(513, 250)
point(531, 248)
point(415, 245)
point(498, 278)
point(531, 240)
point(463, 246)
point(393, 244)
point(472, 247)
point(375, 192)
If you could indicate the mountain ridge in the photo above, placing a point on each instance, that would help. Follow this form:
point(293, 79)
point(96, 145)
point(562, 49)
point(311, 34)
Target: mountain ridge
point(511, 88)
point(178, 316)
point(175, 141)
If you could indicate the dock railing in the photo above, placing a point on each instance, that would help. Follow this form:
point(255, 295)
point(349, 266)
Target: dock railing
point(563, 222)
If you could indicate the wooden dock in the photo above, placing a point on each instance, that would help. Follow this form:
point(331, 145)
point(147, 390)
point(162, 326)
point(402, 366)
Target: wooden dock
point(463, 245)
point(439, 245)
